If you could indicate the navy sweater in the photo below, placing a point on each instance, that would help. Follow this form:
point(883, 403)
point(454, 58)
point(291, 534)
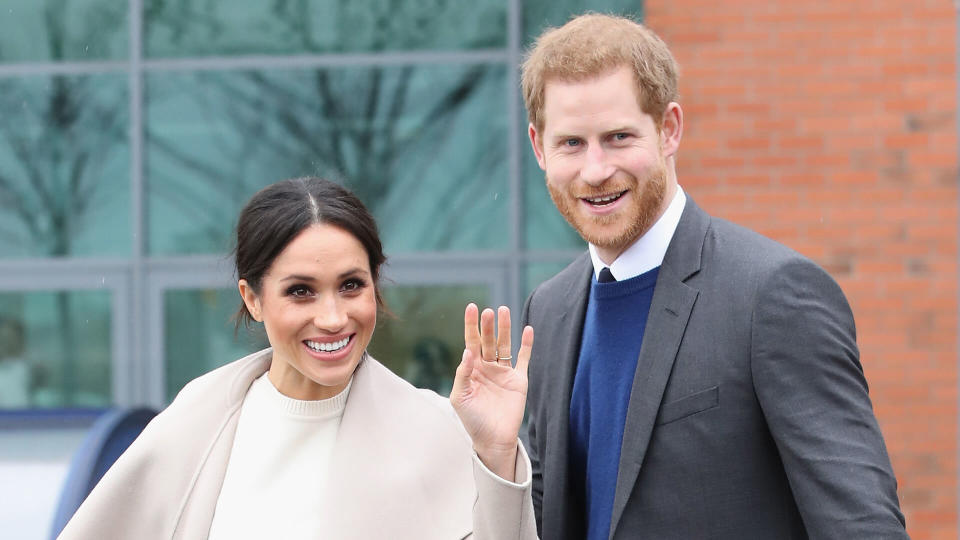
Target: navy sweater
point(612, 335)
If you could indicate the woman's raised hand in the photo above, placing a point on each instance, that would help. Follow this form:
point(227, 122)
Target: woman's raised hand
point(489, 393)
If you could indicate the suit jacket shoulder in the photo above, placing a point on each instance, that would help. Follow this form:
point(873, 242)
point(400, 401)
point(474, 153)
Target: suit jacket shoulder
point(565, 286)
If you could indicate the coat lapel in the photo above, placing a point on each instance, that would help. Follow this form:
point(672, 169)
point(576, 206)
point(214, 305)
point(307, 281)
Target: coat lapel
point(565, 349)
point(197, 511)
point(670, 309)
point(402, 465)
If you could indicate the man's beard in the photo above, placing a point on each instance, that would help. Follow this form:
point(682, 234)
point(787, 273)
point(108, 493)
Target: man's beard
point(634, 220)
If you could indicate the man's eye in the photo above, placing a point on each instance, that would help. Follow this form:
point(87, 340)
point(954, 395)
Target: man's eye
point(621, 136)
point(571, 142)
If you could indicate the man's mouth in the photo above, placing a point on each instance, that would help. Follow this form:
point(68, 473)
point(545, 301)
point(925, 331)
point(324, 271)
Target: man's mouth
point(604, 200)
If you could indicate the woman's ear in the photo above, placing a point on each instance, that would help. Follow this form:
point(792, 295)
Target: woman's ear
point(250, 299)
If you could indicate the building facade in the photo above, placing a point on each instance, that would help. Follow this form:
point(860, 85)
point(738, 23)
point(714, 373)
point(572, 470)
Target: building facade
point(131, 133)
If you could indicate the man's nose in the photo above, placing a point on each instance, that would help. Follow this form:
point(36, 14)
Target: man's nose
point(597, 169)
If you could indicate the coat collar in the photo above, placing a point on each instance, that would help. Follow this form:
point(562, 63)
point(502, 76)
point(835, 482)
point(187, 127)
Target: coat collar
point(673, 301)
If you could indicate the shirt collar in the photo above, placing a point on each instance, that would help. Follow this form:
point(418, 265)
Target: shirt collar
point(647, 252)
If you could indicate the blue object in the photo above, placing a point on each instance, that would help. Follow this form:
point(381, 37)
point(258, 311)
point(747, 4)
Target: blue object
point(108, 437)
point(612, 335)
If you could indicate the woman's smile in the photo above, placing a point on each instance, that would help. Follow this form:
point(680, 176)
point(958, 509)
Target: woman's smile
point(328, 349)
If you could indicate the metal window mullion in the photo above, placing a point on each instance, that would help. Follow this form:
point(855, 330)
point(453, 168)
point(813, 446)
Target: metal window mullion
point(137, 356)
point(514, 142)
point(331, 60)
point(27, 69)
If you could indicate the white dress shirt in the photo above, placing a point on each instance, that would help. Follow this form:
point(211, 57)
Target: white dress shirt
point(647, 252)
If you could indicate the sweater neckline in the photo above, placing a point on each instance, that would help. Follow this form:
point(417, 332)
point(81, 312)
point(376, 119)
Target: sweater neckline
point(263, 390)
point(625, 287)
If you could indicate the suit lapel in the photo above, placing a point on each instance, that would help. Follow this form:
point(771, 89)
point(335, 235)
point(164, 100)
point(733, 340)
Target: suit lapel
point(565, 349)
point(673, 300)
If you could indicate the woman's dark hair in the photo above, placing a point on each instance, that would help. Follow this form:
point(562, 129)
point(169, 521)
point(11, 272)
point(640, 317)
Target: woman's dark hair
point(276, 214)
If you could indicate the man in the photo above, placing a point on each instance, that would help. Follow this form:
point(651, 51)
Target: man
point(690, 378)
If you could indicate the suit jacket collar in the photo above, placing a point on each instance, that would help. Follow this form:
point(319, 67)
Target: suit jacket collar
point(673, 301)
point(564, 332)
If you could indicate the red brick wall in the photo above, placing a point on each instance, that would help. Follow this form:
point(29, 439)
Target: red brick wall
point(831, 126)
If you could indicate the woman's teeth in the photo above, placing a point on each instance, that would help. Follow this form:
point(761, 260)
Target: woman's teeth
point(328, 347)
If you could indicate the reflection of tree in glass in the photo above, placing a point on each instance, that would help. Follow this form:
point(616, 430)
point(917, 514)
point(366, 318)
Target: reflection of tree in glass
point(430, 365)
point(15, 373)
point(57, 135)
point(378, 129)
point(539, 15)
point(58, 30)
point(424, 342)
point(225, 27)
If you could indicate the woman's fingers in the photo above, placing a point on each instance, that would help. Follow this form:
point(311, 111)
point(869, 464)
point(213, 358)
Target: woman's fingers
point(493, 345)
point(471, 332)
point(523, 356)
point(488, 343)
point(503, 336)
point(461, 380)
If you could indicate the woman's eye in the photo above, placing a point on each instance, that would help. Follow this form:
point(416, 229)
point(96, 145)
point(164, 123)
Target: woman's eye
point(298, 291)
point(352, 285)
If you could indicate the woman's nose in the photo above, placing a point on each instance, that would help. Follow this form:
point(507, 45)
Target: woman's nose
point(330, 316)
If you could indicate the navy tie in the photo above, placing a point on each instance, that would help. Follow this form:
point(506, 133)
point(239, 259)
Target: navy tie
point(606, 276)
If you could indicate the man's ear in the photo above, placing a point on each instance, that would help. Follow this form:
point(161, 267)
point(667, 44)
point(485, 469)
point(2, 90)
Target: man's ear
point(536, 141)
point(671, 130)
point(250, 299)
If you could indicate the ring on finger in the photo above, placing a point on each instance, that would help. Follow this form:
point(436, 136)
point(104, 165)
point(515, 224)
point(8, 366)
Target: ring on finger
point(508, 357)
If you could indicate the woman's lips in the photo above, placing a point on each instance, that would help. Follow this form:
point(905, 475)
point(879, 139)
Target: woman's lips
point(328, 349)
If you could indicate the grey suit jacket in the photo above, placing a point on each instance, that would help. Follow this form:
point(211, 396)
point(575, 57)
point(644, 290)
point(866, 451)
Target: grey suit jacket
point(749, 415)
point(401, 468)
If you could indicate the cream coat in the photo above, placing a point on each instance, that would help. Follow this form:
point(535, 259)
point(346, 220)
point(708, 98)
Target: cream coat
point(402, 468)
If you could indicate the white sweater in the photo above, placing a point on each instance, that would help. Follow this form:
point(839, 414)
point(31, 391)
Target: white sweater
point(278, 465)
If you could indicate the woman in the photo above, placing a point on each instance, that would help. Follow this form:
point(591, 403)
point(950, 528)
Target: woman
point(313, 438)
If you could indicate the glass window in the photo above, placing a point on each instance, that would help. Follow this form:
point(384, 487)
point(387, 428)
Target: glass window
point(53, 30)
point(227, 27)
point(538, 16)
point(64, 166)
point(537, 273)
point(423, 147)
point(424, 343)
point(55, 349)
point(199, 334)
point(544, 227)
